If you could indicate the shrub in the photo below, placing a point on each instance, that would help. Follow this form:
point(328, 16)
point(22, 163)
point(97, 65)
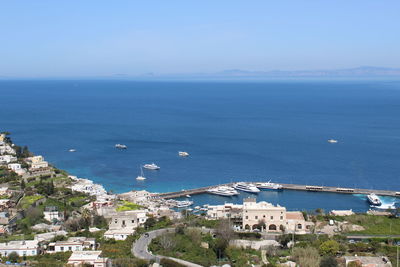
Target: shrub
point(328, 261)
point(330, 247)
point(13, 257)
point(308, 256)
point(170, 263)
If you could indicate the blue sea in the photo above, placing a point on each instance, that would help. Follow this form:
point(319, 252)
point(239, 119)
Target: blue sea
point(234, 131)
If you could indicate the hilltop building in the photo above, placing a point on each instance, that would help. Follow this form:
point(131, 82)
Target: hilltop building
point(262, 215)
point(122, 224)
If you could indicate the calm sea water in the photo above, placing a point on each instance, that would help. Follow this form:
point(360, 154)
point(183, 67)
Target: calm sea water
point(233, 131)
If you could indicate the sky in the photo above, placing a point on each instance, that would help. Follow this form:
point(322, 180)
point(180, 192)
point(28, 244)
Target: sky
point(101, 37)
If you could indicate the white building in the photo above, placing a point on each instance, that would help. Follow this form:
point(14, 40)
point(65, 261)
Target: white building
point(21, 247)
point(72, 244)
point(262, 215)
point(93, 258)
point(122, 224)
point(5, 159)
point(51, 213)
point(37, 162)
point(14, 167)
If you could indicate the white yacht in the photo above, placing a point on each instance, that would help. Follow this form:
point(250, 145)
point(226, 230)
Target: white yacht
point(332, 141)
point(183, 154)
point(141, 176)
point(250, 188)
point(152, 166)
point(120, 146)
point(269, 185)
point(184, 204)
point(72, 150)
point(374, 199)
point(223, 191)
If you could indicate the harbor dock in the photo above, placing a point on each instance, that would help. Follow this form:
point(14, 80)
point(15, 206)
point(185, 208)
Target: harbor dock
point(311, 188)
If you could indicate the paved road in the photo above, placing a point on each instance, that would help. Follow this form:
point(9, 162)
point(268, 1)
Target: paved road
point(140, 247)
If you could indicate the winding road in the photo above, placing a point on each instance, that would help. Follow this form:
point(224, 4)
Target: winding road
point(140, 247)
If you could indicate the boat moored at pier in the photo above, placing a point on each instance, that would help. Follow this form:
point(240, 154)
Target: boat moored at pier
point(269, 185)
point(226, 191)
point(246, 187)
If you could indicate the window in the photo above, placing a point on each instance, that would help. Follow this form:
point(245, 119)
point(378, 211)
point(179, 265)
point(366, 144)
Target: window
point(62, 248)
point(299, 226)
point(247, 217)
point(272, 217)
point(256, 217)
point(133, 221)
point(264, 216)
point(69, 248)
point(281, 217)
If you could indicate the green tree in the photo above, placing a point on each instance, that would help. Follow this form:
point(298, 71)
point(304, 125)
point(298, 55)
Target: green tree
point(150, 222)
point(330, 247)
point(13, 257)
point(328, 261)
point(22, 184)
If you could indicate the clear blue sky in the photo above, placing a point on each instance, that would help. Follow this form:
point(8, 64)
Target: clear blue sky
point(90, 38)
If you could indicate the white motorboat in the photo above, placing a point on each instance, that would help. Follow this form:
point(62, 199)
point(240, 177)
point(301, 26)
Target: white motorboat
point(184, 204)
point(151, 166)
point(223, 191)
point(72, 150)
point(332, 141)
point(269, 185)
point(141, 176)
point(250, 188)
point(188, 196)
point(121, 146)
point(183, 154)
point(374, 199)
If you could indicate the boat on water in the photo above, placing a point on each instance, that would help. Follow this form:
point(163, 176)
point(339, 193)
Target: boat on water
point(246, 187)
point(151, 166)
point(121, 146)
point(183, 154)
point(141, 176)
point(374, 199)
point(225, 191)
point(188, 196)
point(332, 141)
point(184, 204)
point(72, 150)
point(269, 185)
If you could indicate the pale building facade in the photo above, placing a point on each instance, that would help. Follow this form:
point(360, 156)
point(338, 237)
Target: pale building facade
point(263, 216)
point(72, 244)
point(21, 247)
point(260, 216)
point(79, 258)
point(122, 224)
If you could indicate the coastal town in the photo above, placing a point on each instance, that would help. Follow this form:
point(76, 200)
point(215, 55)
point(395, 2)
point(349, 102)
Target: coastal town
point(51, 218)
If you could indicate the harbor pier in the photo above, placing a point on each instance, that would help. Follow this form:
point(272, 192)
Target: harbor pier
point(299, 187)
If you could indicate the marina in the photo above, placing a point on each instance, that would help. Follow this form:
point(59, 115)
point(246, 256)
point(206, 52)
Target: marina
point(310, 188)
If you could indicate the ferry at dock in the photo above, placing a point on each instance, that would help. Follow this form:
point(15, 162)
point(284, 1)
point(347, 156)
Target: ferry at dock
point(269, 185)
point(250, 188)
point(225, 191)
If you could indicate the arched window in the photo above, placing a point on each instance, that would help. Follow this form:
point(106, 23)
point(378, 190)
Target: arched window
point(272, 227)
point(247, 227)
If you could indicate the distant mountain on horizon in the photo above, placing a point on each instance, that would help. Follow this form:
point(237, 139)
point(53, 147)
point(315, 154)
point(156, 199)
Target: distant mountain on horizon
point(358, 72)
point(364, 71)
